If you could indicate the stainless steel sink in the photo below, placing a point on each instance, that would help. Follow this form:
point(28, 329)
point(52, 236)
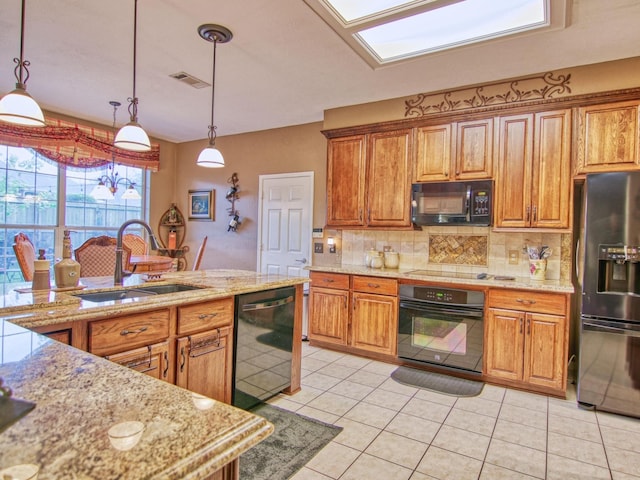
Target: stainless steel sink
point(132, 294)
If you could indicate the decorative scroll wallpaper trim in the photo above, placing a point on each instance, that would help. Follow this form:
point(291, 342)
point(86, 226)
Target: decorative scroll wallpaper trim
point(538, 87)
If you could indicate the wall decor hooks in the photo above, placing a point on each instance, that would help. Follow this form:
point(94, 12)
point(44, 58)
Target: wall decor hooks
point(232, 196)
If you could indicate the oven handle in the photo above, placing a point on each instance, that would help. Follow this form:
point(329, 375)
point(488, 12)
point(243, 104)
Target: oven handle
point(442, 308)
point(621, 328)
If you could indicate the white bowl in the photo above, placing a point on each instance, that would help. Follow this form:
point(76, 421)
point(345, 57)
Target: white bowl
point(125, 435)
point(24, 471)
point(201, 402)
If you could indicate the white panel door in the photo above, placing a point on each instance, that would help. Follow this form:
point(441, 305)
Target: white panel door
point(286, 211)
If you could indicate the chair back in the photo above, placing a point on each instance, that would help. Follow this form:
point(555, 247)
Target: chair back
point(25, 254)
point(136, 244)
point(97, 256)
point(198, 259)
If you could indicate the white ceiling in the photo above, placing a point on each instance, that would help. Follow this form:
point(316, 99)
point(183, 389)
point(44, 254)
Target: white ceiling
point(284, 66)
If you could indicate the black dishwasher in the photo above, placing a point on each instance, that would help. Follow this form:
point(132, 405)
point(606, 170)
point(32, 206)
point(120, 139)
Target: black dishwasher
point(263, 341)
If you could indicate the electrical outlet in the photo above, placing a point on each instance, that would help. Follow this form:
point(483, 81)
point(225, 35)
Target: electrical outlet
point(514, 256)
point(318, 247)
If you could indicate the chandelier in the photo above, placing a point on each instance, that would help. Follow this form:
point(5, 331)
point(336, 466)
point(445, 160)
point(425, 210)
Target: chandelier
point(108, 183)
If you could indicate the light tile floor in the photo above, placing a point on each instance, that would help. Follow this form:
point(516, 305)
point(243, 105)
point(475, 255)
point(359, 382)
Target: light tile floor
point(395, 432)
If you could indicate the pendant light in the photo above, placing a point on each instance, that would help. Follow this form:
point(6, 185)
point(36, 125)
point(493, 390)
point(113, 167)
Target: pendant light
point(132, 136)
point(18, 107)
point(211, 157)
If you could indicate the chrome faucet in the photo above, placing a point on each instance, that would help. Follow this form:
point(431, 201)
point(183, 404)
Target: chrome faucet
point(119, 272)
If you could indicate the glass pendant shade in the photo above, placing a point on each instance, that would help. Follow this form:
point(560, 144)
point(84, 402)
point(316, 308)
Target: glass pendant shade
point(20, 108)
point(101, 192)
point(131, 194)
point(210, 157)
point(132, 137)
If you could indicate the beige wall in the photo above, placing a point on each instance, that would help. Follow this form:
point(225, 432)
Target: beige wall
point(284, 150)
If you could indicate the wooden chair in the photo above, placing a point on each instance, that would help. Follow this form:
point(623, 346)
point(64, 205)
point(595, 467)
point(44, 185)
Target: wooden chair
point(198, 259)
point(136, 244)
point(25, 254)
point(97, 256)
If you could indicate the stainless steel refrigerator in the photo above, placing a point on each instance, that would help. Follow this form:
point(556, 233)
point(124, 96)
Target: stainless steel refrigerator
point(609, 278)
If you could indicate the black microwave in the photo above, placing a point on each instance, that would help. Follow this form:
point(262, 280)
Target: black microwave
point(452, 203)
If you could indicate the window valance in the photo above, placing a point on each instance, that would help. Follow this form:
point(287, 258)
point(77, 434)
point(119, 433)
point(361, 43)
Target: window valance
point(76, 145)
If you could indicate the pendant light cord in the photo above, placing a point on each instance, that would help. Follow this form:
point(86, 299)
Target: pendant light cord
point(133, 102)
point(22, 64)
point(212, 127)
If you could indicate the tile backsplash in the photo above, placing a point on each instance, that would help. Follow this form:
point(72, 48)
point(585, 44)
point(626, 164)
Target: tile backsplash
point(460, 249)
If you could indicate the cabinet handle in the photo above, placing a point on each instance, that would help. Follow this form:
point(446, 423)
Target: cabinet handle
point(528, 213)
point(520, 325)
point(195, 348)
point(183, 359)
point(373, 285)
point(204, 316)
point(535, 213)
point(166, 364)
point(328, 280)
point(526, 302)
point(528, 326)
point(369, 216)
point(446, 174)
point(360, 215)
point(134, 332)
point(345, 302)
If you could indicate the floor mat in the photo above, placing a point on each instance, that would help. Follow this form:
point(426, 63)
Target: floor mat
point(294, 442)
point(437, 382)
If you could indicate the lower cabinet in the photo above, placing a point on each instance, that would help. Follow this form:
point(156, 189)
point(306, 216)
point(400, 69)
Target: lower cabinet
point(152, 360)
point(205, 363)
point(356, 311)
point(526, 339)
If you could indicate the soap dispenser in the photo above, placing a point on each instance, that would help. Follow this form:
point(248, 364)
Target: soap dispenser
point(41, 273)
point(67, 270)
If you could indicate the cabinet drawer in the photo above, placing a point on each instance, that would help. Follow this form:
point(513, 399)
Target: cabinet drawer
point(205, 316)
point(382, 286)
point(552, 303)
point(152, 360)
point(329, 280)
point(124, 333)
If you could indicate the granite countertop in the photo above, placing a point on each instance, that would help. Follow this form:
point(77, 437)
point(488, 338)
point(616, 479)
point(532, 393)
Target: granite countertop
point(440, 278)
point(79, 397)
point(35, 309)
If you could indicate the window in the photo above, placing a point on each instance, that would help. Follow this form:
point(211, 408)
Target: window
point(42, 198)
point(385, 31)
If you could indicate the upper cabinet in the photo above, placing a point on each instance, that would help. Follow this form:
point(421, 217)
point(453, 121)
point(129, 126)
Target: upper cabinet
point(608, 137)
point(533, 175)
point(454, 151)
point(368, 180)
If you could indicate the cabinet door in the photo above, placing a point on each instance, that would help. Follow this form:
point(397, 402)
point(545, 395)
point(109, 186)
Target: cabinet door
point(388, 180)
point(608, 137)
point(504, 337)
point(328, 315)
point(346, 172)
point(434, 148)
point(374, 323)
point(474, 149)
point(152, 360)
point(551, 187)
point(205, 363)
point(513, 177)
point(544, 350)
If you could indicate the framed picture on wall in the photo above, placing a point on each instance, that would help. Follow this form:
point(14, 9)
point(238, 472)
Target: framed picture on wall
point(201, 204)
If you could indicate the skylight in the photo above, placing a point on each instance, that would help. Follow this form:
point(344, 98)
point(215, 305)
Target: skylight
point(390, 30)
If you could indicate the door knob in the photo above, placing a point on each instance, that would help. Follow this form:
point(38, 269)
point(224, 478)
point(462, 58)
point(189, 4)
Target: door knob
point(303, 261)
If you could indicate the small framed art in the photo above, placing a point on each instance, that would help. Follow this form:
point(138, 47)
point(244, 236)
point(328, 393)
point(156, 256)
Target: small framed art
point(201, 204)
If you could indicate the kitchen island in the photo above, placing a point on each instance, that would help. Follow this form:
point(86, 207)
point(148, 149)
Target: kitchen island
point(79, 397)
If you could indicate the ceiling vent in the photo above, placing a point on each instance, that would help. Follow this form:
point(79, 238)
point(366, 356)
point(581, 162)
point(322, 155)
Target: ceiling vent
point(190, 80)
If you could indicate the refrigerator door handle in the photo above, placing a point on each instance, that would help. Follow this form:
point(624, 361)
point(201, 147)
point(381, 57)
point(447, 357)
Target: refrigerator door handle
point(577, 255)
point(624, 329)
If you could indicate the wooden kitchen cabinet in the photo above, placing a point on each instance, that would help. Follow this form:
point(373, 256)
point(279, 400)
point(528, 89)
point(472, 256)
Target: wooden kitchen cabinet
point(526, 339)
point(533, 177)
point(152, 360)
point(368, 180)
point(205, 363)
point(328, 308)
point(357, 313)
point(374, 316)
point(454, 151)
point(608, 137)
